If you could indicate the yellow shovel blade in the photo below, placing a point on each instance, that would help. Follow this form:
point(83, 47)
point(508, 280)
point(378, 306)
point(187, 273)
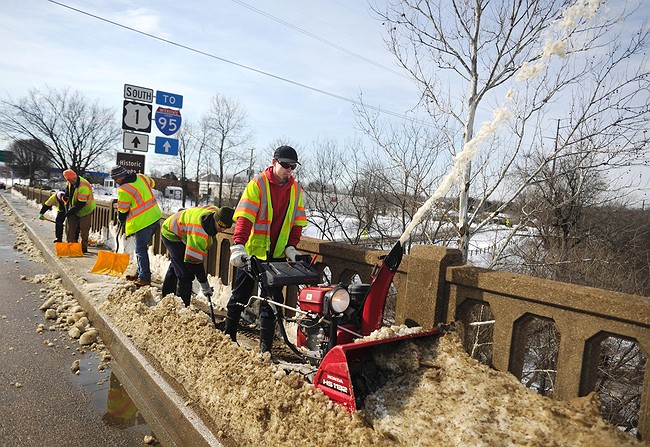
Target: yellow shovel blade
point(110, 263)
point(68, 249)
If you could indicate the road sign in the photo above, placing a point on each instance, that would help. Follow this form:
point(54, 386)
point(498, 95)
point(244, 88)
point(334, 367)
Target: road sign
point(167, 146)
point(136, 116)
point(169, 99)
point(168, 121)
point(135, 93)
point(6, 156)
point(132, 141)
point(134, 162)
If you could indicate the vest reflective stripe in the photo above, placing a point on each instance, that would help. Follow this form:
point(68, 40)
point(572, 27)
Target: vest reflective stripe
point(83, 193)
point(259, 211)
point(51, 201)
point(186, 226)
point(138, 201)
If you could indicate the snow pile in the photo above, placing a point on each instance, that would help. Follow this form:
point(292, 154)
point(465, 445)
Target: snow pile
point(440, 396)
point(63, 313)
point(248, 398)
point(451, 399)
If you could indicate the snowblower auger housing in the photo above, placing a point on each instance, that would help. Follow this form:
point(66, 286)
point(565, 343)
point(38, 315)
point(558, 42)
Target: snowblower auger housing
point(330, 318)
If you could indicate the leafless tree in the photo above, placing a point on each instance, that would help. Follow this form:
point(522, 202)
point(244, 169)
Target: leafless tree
point(28, 157)
point(410, 155)
point(230, 136)
point(554, 60)
point(78, 134)
point(336, 183)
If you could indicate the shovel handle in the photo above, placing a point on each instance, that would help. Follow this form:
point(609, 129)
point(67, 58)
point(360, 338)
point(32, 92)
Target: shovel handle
point(209, 297)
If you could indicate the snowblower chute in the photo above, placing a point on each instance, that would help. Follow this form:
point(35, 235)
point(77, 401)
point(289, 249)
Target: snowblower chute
point(333, 322)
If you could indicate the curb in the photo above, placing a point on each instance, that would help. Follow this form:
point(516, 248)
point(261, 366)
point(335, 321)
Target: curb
point(173, 422)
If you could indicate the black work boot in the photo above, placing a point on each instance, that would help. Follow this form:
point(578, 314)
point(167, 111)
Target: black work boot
point(184, 290)
point(232, 322)
point(267, 331)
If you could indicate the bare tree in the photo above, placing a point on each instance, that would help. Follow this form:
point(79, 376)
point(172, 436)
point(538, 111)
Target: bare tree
point(410, 155)
point(76, 132)
point(464, 55)
point(226, 120)
point(336, 196)
point(189, 149)
point(28, 157)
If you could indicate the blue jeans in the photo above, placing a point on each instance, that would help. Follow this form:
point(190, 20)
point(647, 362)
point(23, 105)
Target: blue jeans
point(142, 240)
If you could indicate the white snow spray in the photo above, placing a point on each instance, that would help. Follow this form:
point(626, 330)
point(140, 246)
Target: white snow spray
point(460, 164)
point(580, 9)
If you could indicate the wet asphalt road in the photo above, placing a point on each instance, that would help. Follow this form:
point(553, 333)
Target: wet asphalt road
point(50, 408)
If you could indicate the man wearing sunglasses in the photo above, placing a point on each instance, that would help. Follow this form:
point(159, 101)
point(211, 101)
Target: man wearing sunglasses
point(268, 230)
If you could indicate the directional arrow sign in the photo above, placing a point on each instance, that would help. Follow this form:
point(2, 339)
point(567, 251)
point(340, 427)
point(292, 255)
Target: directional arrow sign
point(132, 141)
point(167, 146)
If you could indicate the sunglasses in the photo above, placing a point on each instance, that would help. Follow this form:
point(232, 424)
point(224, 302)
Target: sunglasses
point(286, 165)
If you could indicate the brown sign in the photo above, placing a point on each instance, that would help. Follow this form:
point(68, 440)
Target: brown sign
point(133, 162)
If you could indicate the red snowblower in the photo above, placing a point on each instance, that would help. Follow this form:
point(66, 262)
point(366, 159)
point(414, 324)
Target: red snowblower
point(333, 323)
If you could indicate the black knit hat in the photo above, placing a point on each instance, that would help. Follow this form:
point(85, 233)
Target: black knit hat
point(286, 154)
point(118, 171)
point(223, 217)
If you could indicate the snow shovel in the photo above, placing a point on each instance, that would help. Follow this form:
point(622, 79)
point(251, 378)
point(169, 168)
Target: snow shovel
point(68, 249)
point(111, 263)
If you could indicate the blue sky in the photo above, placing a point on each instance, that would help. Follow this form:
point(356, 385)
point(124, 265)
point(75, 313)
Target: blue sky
point(46, 43)
point(335, 46)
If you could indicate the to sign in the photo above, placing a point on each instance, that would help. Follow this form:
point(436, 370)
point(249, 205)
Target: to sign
point(135, 141)
point(168, 121)
point(136, 93)
point(136, 116)
point(169, 99)
point(134, 162)
point(167, 146)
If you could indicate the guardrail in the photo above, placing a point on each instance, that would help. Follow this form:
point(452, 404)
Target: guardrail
point(432, 286)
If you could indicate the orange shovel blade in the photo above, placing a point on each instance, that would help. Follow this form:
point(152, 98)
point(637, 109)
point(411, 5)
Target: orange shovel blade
point(110, 263)
point(68, 249)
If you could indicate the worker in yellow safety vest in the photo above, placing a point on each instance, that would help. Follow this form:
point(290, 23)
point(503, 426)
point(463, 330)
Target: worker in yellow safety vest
point(269, 218)
point(60, 201)
point(80, 208)
point(139, 214)
point(187, 236)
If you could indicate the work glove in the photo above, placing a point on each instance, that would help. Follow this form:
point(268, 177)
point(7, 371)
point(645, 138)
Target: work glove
point(41, 217)
point(238, 256)
point(290, 252)
point(206, 289)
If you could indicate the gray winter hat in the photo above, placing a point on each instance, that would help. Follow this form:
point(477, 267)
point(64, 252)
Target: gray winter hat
point(118, 171)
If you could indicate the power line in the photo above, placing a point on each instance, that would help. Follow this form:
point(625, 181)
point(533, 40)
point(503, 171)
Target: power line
point(237, 64)
point(320, 39)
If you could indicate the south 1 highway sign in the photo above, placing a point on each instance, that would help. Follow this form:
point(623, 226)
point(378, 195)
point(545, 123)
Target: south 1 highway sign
point(135, 93)
point(136, 116)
